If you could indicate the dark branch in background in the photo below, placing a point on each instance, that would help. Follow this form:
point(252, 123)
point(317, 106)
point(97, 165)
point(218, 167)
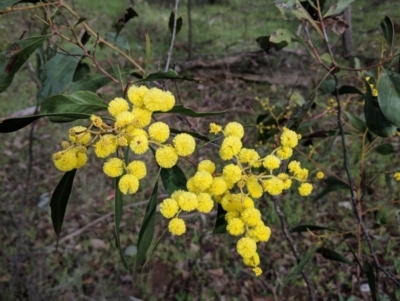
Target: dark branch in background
point(285, 230)
point(171, 47)
point(345, 162)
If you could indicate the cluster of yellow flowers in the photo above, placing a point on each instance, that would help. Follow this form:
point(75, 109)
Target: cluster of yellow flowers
point(132, 128)
point(236, 187)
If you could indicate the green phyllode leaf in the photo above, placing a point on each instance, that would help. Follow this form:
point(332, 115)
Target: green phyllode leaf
point(173, 179)
point(299, 268)
point(333, 255)
point(389, 96)
point(375, 118)
point(387, 28)
point(118, 209)
point(79, 102)
point(15, 124)
point(369, 271)
point(266, 44)
point(59, 200)
point(120, 24)
point(305, 228)
point(338, 8)
point(220, 222)
point(58, 73)
point(147, 228)
point(179, 22)
point(331, 184)
point(14, 56)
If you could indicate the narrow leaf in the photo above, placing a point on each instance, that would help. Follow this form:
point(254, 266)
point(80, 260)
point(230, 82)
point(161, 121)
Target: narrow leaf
point(171, 23)
point(387, 28)
point(173, 179)
point(148, 52)
point(338, 7)
point(305, 228)
point(388, 181)
point(119, 41)
point(14, 124)
point(299, 268)
point(356, 122)
point(180, 109)
point(389, 96)
point(347, 90)
point(59, 200)
point(220, 222)
point(147, 228)
point(331, 184)
point(369, 271)
point(384, 149)
point(118, 209)
point(170, 74)
point(120, 24)
point(14, 56)
point(91, 82)
point(58, 73)
point(333, 255)
point(79, 102)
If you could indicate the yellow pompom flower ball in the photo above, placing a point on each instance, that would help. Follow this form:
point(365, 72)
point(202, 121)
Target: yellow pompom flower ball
point(287, 182)
point(128, 184)
point(215, 128)
point(141, 117)
point(117, 106)
point(235, 226)
point(257, 271)
point(206, 165)
point(114, 167)
point(106, 145)
point(397, 176)
point(289, 138)
point(81, 159)
point(320, 175)
point(136, 94)
point(231, 214)
point(271, 162)
point(230, 147)
point(177, 226)
point(294, 166)
point(246, 247)
point(96, 120)
point(169, 208)
point(184, 144)
point(232, 173)
point(234, 129)
point(153, 99)
point(78, 134)
point(202, 180)
point(252, 261)
point(301, 174)
point(255, 189)
point(166, 156)
point(249, 156)
point(175, 195)
point(205, 203)
point(169, 101)
point(124, 119)
point(188, 201)
point(139, 144)
point(230, 203)
point(284, 152)
point(137, 168)
point(159, 131)
point(273, 186)
point(305, 189)
point(65, 160)
point(260, 233)
point(218, 186)
point(251, 216)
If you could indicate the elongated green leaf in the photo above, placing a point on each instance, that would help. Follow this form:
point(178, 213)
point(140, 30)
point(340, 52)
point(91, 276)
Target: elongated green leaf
point(14, 124)
point(118, 209)
point(338, 7)
point(170, 74)
point(119, 41)
point(299, 268)
point(173, 179)
point(266, 44)
point(8, 3)
point(333, 255)
point(331, 184)
point(375, 118)
point(58, 73)
point(356, 122)
point(120, 24)
point(388, 31)
point(147, 228)
point(180, 109)
point(79, 102)
point(389, 96)
point(281, 35)
point(91, 82)
point(384, 149)
point(220, 222)
point(81, 71)
point(59, 200)
point(305, 228)
point(148, 52)
point(171, 23)
point(353, 252)
point(347, 90)
point(388, 181)
point(14, 56)
point(369, 271)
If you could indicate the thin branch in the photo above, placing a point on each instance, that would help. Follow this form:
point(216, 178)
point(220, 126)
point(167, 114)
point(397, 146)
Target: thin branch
point(171, 47)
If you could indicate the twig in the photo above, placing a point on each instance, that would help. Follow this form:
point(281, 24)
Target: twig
point(171, 47)
point(293, 246)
